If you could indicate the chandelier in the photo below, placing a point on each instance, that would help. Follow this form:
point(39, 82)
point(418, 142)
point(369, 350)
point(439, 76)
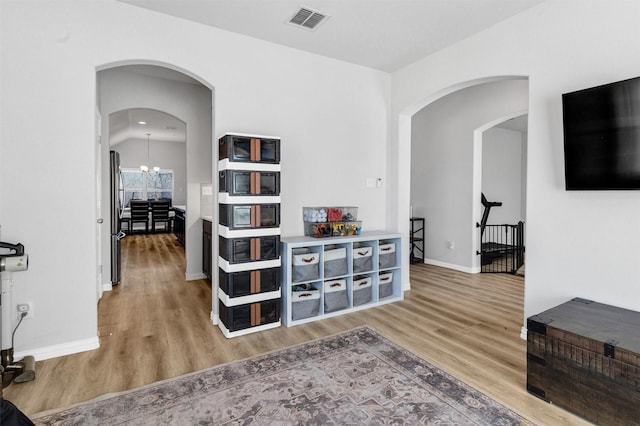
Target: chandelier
point(145, 167)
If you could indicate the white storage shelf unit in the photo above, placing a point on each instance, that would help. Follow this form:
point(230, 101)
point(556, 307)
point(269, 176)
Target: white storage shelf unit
point(384, 274)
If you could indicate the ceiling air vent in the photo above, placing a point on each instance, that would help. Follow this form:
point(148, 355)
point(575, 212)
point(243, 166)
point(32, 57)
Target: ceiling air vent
point(308, 18)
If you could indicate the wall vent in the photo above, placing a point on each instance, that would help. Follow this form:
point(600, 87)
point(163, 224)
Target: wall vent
point(308, 18)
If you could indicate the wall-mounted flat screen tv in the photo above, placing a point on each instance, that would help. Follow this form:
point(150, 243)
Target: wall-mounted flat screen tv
point(602, 137)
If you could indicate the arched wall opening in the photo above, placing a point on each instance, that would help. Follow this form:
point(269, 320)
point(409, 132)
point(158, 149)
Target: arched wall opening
point(154, 85)
point(407, 125)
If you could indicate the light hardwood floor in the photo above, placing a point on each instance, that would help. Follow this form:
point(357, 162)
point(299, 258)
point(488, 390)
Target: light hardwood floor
point(155, 325)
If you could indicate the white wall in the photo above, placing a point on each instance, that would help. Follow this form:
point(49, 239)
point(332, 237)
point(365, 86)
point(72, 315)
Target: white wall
point(332, 118)
point(442, 166)
point(584, 243)
point(502, 174)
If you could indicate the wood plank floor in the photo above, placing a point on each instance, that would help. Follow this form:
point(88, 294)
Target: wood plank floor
point(155, 325)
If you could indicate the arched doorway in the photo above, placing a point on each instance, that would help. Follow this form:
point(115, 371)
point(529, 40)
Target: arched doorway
point(177, 93)
point(443, 173)
point(401, 204)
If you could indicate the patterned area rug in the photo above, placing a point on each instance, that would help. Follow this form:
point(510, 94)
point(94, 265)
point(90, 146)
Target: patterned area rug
point(356, 378)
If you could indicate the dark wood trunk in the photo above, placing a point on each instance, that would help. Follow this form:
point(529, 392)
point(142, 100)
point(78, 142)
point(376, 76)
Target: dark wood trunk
point(585, 357)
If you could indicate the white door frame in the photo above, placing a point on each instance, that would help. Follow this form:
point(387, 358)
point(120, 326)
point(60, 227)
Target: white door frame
point(99, 218)
point(477, 182)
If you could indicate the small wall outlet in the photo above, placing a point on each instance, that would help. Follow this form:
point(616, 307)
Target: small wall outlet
point(25, 307)
point(451, 245)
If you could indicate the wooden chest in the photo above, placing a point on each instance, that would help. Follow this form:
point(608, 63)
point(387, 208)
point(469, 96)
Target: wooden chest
point(585, 357)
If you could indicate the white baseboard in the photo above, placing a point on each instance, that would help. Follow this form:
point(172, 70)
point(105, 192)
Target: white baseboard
point(523, 333)
point(407, 285)
point(190, 276)
point(60, 350)
point(452, 266)
point(107, 286)
point(230, 334)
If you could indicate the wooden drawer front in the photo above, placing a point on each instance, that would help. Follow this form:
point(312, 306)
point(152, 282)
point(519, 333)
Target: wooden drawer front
point(246, 216)
point(250, 315)
point(237, 250)
point(249, 149)
point(244, 182)
point(244, 283)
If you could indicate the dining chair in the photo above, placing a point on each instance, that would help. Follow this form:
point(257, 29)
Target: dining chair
point(123, 218)
point(139, 214)
point(160, 214)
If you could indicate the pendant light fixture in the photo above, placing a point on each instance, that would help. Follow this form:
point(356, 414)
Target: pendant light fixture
point(145, 167)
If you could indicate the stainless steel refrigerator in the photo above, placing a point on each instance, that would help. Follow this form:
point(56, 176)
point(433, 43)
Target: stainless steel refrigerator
point(116, 189)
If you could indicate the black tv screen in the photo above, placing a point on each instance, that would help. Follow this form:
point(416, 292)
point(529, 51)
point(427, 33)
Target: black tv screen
point(602, 137)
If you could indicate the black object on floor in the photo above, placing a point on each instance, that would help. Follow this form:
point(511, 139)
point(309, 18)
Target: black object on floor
point(10, 415)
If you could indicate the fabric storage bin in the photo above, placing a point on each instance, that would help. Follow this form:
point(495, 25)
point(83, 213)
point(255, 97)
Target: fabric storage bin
point(335, 262)
point(387, 255)
point(306, 266)
point(385, 285)
point(362, 259)
point(305, 304)
point(335, 295)
point(361, 290)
